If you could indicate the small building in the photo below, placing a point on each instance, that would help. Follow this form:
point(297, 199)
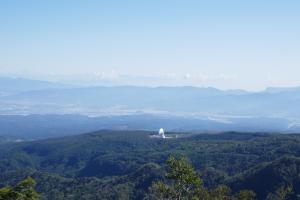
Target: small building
point(161, 133)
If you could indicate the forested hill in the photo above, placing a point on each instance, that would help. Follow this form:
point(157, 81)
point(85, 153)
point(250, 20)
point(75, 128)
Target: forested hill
point(123, 164)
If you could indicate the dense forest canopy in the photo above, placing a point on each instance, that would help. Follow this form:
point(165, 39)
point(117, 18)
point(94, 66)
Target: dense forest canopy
point(125, 164)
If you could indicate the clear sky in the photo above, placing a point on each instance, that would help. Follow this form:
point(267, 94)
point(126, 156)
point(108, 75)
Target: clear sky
point(248, 44)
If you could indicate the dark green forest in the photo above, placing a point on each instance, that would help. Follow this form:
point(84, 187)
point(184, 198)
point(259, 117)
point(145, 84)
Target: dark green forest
point(126, 164)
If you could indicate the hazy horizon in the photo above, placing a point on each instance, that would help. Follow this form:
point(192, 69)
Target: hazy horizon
point(228, 45)
point(152, 82)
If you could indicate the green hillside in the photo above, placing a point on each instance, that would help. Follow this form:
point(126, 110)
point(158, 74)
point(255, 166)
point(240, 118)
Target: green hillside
point(123, 164)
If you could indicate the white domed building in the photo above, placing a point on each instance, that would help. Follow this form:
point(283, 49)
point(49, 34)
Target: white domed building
point(161, 133)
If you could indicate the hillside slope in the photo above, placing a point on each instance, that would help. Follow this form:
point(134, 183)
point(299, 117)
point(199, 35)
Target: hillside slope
point(123, 160)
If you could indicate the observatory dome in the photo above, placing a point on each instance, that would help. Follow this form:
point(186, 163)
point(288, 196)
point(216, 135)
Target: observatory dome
point(161, 133)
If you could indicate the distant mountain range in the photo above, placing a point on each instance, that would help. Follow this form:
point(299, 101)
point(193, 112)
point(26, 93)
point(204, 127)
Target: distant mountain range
point(61, 99)
point(14, 85)
point(192, 108)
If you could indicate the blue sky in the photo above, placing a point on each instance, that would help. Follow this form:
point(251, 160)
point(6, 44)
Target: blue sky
point(247, 44)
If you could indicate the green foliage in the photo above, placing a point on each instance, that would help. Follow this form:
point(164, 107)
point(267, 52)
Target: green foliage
point(22, 191)
point(185, 181)
point(185, 184)
point(281, 193)
point(245, 195)
point(273, 181)
point(123, 164)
